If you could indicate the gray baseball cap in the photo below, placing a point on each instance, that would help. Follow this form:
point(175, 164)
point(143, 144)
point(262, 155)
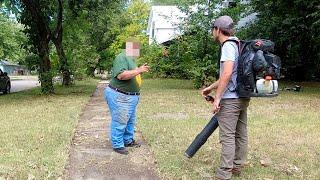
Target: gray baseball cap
point(224, 22)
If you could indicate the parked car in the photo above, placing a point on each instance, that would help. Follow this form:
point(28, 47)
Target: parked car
point(5, 84)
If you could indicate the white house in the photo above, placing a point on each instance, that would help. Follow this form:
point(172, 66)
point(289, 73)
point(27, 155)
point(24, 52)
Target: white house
point(13, 69)
point(164, 21)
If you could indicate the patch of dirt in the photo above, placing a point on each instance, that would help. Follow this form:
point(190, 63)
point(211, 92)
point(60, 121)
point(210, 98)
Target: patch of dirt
point(91, 154)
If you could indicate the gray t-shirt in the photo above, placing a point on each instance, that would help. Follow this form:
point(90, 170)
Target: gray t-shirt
point(230, 52)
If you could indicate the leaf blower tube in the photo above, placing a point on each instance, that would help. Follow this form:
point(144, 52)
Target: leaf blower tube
point(203, 135)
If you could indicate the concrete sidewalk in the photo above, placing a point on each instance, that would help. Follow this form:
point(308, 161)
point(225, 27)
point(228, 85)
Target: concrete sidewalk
point(91, 154)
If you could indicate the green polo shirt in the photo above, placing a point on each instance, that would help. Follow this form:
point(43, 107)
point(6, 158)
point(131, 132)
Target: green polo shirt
point(124, 63)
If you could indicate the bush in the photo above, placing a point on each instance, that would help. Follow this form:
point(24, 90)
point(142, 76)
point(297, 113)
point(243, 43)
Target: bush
point(183, 59)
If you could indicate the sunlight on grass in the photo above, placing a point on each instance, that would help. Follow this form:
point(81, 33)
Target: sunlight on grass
point(283, 129)
point(36, 130)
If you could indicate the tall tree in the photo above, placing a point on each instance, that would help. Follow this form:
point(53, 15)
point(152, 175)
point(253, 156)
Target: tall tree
point(11, 40)
point(36, 21)
point(38, 18)
point(99, 23)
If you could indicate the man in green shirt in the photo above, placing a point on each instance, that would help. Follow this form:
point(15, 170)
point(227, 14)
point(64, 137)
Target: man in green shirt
point(122, 96)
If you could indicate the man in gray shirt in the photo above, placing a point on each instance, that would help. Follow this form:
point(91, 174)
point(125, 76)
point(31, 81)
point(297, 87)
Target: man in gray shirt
point(231, 110)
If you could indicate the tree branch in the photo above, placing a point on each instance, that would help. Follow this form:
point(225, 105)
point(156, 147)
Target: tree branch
point(37, 14)
point(58, 30)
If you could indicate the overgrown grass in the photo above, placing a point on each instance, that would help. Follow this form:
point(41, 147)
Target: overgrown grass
point(36, 130)
point(283, 130)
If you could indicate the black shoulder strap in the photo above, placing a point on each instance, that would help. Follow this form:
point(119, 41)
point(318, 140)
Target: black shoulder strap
point(220, 50)
point(231, 40)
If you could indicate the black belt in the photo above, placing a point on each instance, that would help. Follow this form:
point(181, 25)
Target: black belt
point(126, 93)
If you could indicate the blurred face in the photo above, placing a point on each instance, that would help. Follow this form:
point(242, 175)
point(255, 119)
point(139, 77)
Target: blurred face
point(133, 49)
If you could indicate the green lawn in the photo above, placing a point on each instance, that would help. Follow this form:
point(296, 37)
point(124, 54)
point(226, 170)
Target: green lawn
point(284, 130)
point(36, 130)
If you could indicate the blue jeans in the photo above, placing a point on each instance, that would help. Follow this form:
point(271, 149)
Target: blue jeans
point(123, 116)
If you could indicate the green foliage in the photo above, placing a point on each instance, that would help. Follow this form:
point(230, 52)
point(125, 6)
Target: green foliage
point(32, 61)
point(11, 40)
point(197, 39)
point(169, 62)
point(153, 56)
point(82, 55)
point(180, 60)
point(90, 29)
point(194, 54)
point(136, 18)
point(104, 30)
point(87, 32)
point(295, 31)
point(37, 18)
point(204, 74)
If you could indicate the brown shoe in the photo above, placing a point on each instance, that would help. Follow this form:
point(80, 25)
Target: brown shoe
point(236, 171)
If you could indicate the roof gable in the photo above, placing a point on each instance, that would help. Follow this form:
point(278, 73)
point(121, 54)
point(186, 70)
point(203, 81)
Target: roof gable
point(165, 16)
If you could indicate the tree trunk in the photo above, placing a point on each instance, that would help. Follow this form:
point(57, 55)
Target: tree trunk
point(45, 67)
point(90, 71)
point(43, 35)
point(57, 41)
point(64, 67)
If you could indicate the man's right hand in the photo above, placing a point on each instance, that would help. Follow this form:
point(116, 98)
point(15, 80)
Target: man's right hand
point(144, 68)
point(206, 91)
point(126, 75)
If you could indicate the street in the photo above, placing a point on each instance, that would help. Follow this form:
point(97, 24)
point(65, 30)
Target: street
point(20, 85)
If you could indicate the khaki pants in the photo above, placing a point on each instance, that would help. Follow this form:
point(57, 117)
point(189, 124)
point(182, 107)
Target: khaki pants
point(233, 136)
